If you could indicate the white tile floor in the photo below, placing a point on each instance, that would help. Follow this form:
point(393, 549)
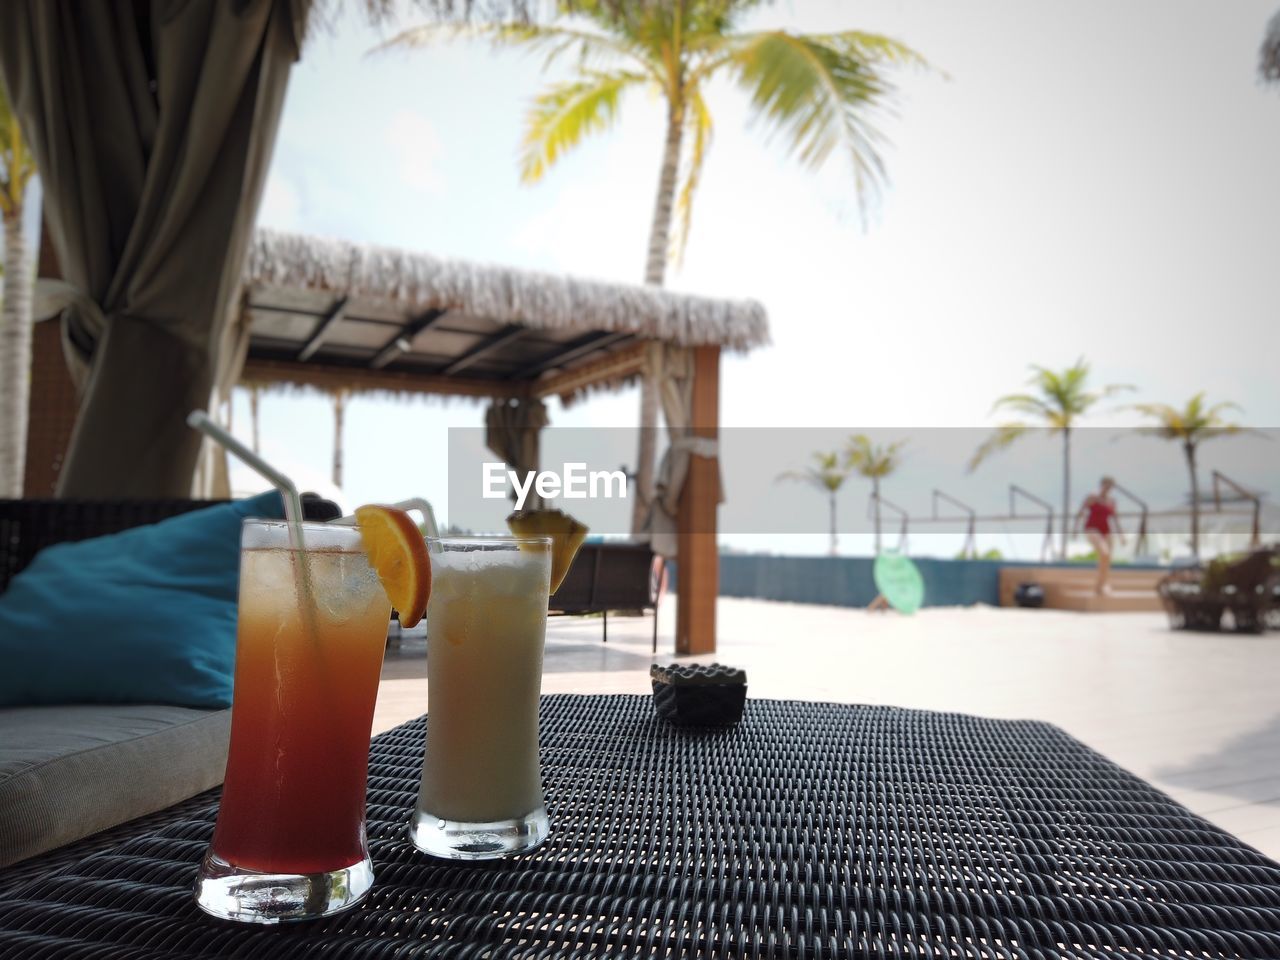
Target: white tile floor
point(1196, 714)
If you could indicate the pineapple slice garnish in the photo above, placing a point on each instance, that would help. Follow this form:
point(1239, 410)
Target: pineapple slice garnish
point(566, 534)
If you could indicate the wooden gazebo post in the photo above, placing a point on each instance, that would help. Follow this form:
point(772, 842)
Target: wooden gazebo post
point(697, 559)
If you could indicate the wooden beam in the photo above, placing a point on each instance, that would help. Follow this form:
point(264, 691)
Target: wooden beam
point(327, 323)
point(330, 377)
point(507, 334)
point(402, 342)
point(697, 557)
point(625, 362)
point(571, 351)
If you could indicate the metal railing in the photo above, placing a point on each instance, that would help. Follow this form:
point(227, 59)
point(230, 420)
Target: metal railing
point(1242, 493)
point(970, 547)
point(902, 531)
point(1015, 491)
point(1140, 544)
point(1142, 513)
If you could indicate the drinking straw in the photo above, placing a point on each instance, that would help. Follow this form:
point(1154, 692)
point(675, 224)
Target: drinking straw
point(199, 420)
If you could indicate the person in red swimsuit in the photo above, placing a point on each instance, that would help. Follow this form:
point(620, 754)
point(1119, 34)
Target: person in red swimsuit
point(1101, 526)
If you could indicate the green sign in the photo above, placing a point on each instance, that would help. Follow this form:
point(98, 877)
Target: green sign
point(899, 582)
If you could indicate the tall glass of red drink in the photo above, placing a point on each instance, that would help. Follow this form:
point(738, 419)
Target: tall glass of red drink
point(312, 625)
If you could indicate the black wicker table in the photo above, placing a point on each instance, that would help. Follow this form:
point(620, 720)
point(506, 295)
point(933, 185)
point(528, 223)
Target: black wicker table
point(809, 830)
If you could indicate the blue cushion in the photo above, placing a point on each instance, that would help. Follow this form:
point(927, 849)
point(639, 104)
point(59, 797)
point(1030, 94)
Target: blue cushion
point(143, 616)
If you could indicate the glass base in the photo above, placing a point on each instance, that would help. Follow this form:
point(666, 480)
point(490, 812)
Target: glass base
point(234, 893)
point(459, 840)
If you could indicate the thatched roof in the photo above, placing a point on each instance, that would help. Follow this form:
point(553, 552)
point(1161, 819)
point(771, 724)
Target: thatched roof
point(418, 282)
point(334, 316)
point(1269, 58)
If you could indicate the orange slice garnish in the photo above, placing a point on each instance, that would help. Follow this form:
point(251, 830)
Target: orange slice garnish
point(398, 554)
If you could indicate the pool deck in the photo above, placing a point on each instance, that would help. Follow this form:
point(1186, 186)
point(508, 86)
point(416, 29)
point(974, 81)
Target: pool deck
point(1196, 714)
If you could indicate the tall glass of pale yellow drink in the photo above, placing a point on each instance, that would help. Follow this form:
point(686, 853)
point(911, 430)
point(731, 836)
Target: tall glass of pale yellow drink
point(481, 792)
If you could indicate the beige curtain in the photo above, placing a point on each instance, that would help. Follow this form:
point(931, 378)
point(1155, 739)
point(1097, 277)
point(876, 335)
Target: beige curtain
point(152, 124)
point(672, 369)
point(511, 430)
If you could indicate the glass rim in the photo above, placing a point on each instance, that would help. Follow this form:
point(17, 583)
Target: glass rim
point(274, 522)
point(326, 537)
point(482, 541)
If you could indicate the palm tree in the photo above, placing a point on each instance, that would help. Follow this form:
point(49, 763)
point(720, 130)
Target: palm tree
point(1059, 400)
point(1190, 426)
point(828, 476)
point(16, 170)
point(823, 93)
point(875, 461)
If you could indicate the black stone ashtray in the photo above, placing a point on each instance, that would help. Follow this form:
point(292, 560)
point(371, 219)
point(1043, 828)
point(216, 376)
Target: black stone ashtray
point(699, 695)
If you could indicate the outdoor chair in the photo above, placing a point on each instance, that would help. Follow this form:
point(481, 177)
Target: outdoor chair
point(1196, 598)
point(610, 576)
point(28, 526)
point(71, 769)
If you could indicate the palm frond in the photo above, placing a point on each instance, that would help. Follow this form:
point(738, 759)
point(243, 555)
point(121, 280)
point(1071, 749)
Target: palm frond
point(325, 14)
point(1062, 396)
point(17, 165)
point(1004, 436)
point(1214, 413)
point(1023, 403)
point(1192, 423)
point(874, 48)
point(872, 459)
point(564, 114)
point(1193, 420)
point(1169, 421)
point(799, 476)
point(826, 474)
point(823, 92)
point(587, 48)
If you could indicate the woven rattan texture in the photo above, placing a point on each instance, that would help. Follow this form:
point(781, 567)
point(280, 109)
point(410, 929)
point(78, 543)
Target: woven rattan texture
point(809, 830)
point(28, 526)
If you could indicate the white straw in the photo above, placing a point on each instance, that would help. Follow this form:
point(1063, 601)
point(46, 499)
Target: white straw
point(199, 420)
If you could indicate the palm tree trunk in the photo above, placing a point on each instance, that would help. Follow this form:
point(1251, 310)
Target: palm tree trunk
point(655, 269)
point(835, 541)
point(875, 497)
point(1066, 491)
point(655, 272)
point(1190, 450)
point(339, 415)
point(15, 358)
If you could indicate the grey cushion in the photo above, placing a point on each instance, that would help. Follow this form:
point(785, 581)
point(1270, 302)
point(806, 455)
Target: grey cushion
point(69, 771)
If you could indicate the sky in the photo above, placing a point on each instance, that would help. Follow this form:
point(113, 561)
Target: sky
point(1091, 179)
